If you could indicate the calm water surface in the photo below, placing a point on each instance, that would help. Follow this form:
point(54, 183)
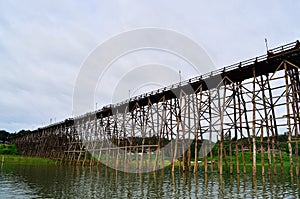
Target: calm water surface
point(25, 181)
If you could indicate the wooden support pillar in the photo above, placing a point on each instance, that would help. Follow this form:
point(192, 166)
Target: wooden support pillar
point(294, 78)
point(262, 151)
point(241, 112)
point(253, 123)
point(288, 117)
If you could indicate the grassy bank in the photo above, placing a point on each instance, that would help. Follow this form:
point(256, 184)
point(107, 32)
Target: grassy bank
point(10, 155)
point(17, 159)
point(8, 149)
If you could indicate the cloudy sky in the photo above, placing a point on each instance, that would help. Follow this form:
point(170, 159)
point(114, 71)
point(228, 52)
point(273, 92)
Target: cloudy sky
point(43, 45)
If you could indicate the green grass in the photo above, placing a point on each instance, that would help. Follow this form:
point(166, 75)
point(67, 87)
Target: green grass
point(16, 159)
point(9, 155)
point(248, 162)
point(8, 149)
point(285, 158)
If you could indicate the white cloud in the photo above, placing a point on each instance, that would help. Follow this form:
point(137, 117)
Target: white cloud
point(43, 43)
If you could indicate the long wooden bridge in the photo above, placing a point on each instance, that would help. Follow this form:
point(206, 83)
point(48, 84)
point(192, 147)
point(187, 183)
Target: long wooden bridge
point(244, 107)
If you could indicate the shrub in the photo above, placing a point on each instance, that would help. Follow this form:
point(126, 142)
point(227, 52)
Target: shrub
point(9, 149)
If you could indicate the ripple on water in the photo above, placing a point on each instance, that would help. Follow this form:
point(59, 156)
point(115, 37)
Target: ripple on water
point(78, 182)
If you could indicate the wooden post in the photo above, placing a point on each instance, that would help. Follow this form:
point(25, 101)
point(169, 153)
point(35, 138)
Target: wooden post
point(239, 94)
point(262, 150)
point(274, 128)
point(288, 118)
point(150, 135)
point(183, 103)
point(221, 109)
point(247, 129)
point(210, 133)
point(196, 127)
point(144, 118)
point(2, 162)
point(177, 135)
point(220, 154)
point(152, 113)
point(188, 106)
point(253, 124)
point(295, 108)
point(269, 151)
point(266, 119)
point(235, 134)
point(156, 162)
point(203, 145)
point(80, 141)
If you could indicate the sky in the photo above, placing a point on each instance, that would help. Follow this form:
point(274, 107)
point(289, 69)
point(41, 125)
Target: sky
point(43, 45)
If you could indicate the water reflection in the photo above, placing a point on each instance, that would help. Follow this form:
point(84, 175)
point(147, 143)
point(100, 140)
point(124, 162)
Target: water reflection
point(21, 181)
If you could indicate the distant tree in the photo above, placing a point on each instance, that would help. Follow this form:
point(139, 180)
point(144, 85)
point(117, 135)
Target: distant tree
point(20, 133)
point(4, 135)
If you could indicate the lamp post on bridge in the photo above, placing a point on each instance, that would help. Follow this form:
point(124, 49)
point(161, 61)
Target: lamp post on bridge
point(179, 77)
point(129, 94)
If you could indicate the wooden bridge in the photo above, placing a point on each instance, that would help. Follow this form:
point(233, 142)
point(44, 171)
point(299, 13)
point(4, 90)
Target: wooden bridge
point(245, 107)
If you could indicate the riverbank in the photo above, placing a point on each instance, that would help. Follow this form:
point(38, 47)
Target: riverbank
point(9, 155)
point(17, 159)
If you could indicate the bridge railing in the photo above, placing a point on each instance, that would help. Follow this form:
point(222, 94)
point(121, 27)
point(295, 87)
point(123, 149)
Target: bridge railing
point(219, 71)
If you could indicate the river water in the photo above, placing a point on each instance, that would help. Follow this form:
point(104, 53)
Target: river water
point(29, 181)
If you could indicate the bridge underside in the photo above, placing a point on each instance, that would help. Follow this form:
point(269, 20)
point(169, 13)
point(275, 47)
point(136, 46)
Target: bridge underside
point(241, 109)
